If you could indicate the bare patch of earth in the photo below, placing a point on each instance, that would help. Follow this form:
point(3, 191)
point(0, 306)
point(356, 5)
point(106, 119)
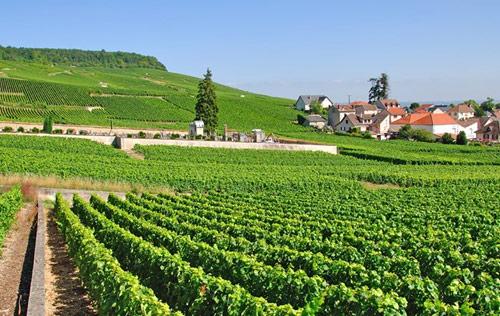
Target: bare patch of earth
point(379, 186)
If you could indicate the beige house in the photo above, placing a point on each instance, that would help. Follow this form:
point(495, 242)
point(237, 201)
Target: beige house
point(461, 112)
point(315, 120)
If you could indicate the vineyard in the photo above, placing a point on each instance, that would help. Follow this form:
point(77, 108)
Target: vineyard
point(132, 97)
point(205, 254)
point(276, 233)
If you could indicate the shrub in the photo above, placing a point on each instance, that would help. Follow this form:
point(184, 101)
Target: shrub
point(35, 130)
point(174, 136)
point(7, 129)
point(301, 119)
point(20, 129)
point(367, 135)
point(70, 131)
point(129, 135)
point(199, 137)
point(142, 134)
point(355, 130)
point(422, 135)
point(57, 131)
point(462, 138)
point(447, 139)
point(82, 132)
point(157, 136)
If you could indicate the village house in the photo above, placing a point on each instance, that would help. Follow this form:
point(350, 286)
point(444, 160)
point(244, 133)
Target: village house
point(304, 102)
point(437, 124)
point(337, 113)
point(490, 132)
point(469, 127)
point(365, 109)
point(380, 125)
point(461, 112)
point(396, 113)
point(351, 121)
point(315, 120)
point(387, 104)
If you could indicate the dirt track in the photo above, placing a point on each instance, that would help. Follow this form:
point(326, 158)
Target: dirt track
point(16, 263)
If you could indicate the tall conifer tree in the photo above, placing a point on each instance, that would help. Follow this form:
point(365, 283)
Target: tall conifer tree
point(206, 104)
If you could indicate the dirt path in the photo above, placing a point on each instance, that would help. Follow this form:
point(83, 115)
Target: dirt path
point(134, 154)
point(16, 263)
point(64, 293)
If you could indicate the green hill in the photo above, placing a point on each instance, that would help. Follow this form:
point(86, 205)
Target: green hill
point(130, 97)
point(78, 57)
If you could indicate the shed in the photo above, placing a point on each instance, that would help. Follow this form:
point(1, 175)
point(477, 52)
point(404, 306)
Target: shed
point(196, 128)
point(258, 135)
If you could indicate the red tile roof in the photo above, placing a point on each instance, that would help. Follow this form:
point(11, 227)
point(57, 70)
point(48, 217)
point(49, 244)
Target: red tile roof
point(426, 119)
point(397, 111)
point(423, 108)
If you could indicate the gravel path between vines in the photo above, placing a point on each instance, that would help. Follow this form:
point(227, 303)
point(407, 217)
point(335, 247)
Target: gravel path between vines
point(16, 263)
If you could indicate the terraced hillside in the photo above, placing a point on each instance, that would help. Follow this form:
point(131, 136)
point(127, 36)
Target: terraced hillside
point(130, 97)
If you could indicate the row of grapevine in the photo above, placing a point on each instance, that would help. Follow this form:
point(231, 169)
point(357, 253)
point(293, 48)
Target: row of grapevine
point(195, 293)
point(10, 203)
point(114, 290)
point(470, 282)
point(43, 93)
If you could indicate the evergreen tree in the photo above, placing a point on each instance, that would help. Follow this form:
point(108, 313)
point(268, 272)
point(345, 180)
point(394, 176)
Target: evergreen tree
point(206, 104)
point(47, 125)
point(379, 89)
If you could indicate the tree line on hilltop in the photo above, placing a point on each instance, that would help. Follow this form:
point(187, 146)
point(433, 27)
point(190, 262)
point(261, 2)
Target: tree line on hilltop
point(78, 57)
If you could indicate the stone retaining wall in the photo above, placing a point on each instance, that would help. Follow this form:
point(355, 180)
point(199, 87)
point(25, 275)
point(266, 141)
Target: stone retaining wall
point(129, 143)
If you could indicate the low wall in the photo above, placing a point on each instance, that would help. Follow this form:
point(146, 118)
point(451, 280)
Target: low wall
point(129, 143)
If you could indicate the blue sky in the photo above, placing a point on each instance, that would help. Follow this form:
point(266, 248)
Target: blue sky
point(432, 50)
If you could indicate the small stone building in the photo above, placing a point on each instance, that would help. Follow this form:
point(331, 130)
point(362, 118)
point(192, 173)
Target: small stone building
point(196, 128)
point(258, 135)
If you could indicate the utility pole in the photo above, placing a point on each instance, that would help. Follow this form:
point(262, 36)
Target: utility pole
point(349, 98)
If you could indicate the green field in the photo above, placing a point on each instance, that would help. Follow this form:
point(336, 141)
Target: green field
point(131, 97)
point(257, 222)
